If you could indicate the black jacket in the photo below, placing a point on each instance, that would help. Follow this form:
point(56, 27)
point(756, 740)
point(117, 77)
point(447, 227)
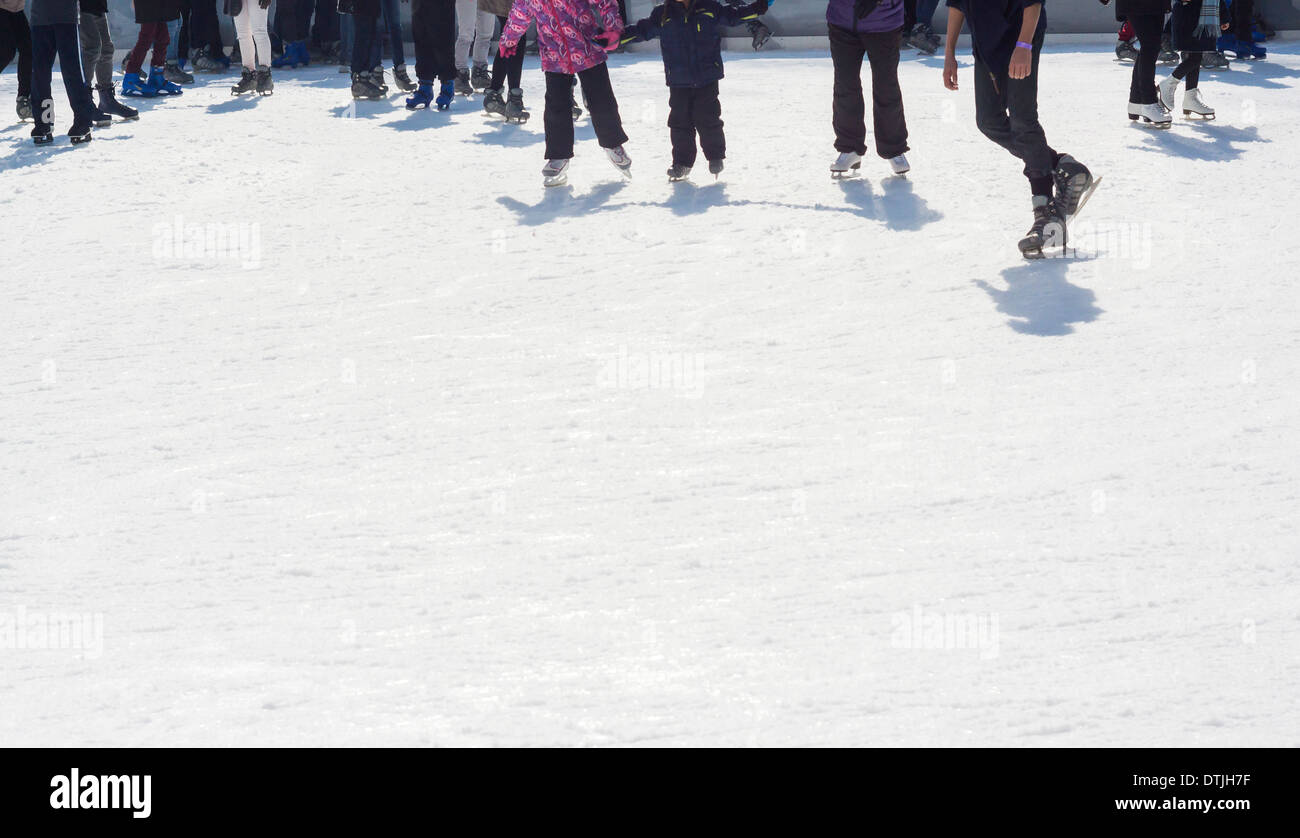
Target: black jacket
point(1124, 8)
point(995, 27)
point(691, 39)
point(157, 11)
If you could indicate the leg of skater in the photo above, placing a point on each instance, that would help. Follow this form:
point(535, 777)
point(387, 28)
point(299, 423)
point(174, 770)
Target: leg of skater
point(16, 38)
point(848, 109)
point(484, 26)
point(68, 46)
point(889, 123)
point(707, 109)
point(681, 131)
point(44, 48)
point(1142, 100)
point(466, 22)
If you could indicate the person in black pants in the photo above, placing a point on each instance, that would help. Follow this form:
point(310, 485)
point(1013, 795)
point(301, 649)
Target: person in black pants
point(690, 32)
point(874, 30)
point(16, 38)
point(1006, 40)
point(54, 32)
point(433, 25)
point(1147, 17)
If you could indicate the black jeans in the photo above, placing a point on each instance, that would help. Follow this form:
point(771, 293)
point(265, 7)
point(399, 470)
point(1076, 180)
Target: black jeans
point(848, 110)
point(1006, 111)
point(59, 39)
point(1243, 19)
point(1142, 89)
point(16, 37)
point(433, 23)
point(205, 27)
point(601, 105)
point(293, 18)
point(692, 110)
point(325, 26)
point(510, 70)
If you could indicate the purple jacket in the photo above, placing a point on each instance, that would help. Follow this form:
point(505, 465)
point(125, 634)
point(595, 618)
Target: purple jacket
point(886, 17)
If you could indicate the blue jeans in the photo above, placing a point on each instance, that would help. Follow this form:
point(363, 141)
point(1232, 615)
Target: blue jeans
point(393, 20)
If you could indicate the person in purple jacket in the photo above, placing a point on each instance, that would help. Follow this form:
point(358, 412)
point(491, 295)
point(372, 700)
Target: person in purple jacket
point(1006, 39)
point(873, 28)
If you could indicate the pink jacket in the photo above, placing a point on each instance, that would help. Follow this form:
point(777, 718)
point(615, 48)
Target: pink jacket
point(565, 29)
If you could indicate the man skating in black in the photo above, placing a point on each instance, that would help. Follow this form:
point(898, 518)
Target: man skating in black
point(1006, 39)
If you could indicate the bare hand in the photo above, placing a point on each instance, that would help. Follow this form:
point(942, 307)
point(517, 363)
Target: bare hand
point(950, 72)
point(1022, 61)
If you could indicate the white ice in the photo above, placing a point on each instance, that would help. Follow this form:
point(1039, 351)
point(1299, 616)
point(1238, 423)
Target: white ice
point(344, 431)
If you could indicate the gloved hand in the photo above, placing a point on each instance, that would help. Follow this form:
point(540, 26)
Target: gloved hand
point(608, 39)
point(506, 48)
point(761, 6)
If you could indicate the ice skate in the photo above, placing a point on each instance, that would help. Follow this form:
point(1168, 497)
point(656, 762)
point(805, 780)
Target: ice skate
point(1154, 114)
point(678, 172)
point(900, 165)
point(555, 173)
point(621, 161)
point(1194, 105)
point(846, 165)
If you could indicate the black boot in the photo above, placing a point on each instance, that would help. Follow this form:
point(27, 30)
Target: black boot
point(1073, 184)
point(1047, 231)
point(108, 104)
point(80, 131)
point(247, 83)
point(101, 118)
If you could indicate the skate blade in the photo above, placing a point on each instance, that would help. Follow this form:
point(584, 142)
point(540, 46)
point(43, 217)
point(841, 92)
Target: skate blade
point(1206, 117)
point(845, 175)
point(42, 140)
point(1083, 199)
point(559, 180)
point(81, 140)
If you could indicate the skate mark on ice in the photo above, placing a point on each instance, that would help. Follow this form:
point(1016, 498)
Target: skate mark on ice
point(1040, 299)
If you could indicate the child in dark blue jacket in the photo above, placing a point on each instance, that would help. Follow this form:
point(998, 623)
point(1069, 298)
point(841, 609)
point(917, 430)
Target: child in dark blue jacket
point(690, 32)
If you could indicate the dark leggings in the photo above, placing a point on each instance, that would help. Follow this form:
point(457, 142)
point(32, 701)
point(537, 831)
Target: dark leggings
point(1190, 68)
point(1142, 90)
point(511, 68)
point(16, 37)
point(151, 34)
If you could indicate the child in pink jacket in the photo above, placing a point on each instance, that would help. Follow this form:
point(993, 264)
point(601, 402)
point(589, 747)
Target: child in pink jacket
point(573, 36)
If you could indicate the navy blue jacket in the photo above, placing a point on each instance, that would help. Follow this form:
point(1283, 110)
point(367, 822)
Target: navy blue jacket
point(691, 39)
point(995, 27)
